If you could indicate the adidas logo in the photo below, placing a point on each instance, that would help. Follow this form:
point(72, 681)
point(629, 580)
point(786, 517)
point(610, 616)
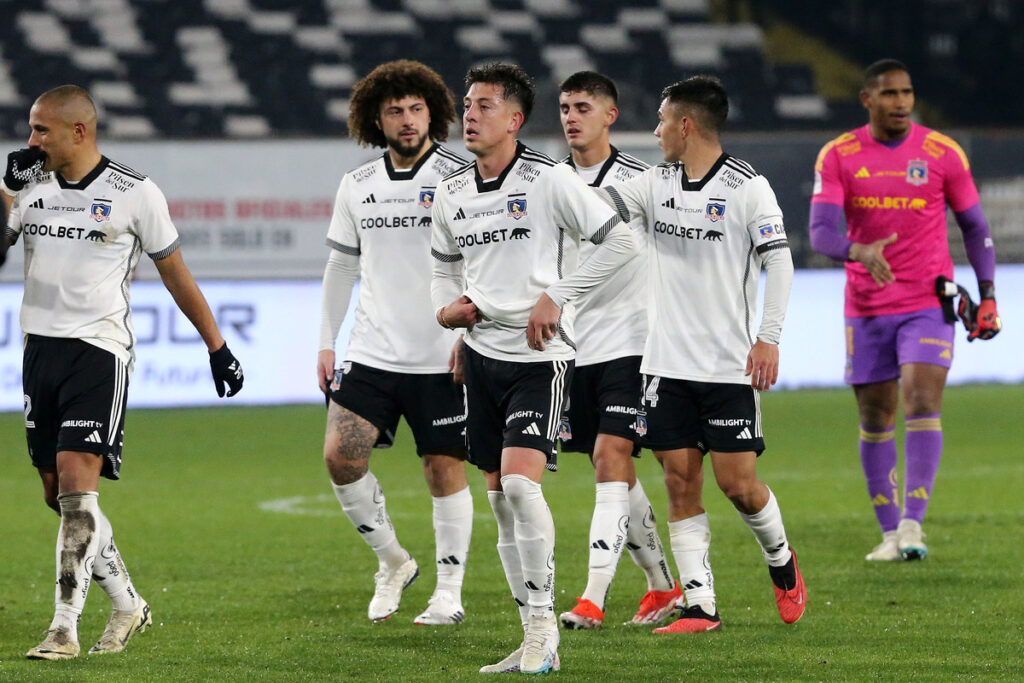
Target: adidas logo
point(670, 204)
point(95, 436)
point(459, 215)
point(693, 583)
point(599, 545)
point(370, 200)
point(37, 204)
point(745, 434)
point(364, 529)
point(632, 546)
point(531, 585)
point(532, 429)
point(451, 559)
point(919, 492)
point(879, 500)
point(862, 173)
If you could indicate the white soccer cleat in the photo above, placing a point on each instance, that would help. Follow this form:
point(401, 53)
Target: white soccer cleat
point(911, 540)
point(886, 551)
point(58, 644)
point(443, 608)
point(540, 646)
point(121, 626)
point(390, 584)
point(506, 666)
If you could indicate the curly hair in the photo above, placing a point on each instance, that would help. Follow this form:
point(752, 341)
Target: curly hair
point(393, 81)
point(515, 83)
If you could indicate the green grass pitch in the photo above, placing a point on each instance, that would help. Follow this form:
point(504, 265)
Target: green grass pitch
point(242, 592)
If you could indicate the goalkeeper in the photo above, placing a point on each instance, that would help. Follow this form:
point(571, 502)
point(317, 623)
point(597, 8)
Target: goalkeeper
point(85, 221)
point(894, 179)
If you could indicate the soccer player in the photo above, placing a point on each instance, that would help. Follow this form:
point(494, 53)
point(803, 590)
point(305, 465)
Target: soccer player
point(712, 222)
point(611, 327)
point(86, 220)
point(505, 242)
point(894, 179)
point(396, 363)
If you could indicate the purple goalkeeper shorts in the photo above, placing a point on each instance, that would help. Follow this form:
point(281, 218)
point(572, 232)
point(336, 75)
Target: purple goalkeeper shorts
point(876, 347)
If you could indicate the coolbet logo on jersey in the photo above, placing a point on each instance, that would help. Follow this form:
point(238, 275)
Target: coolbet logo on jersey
point(888, 202)
point(917, 172)
point(516, 208)
point(100, 210)
point(716, 210)
point(426, 198)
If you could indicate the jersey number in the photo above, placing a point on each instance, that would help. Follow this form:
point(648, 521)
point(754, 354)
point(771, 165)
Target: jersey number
point(651, 391)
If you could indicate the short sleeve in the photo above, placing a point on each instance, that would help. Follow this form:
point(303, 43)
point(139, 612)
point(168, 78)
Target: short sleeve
point(342, 233)
point(764, 217)
point(828, 186)
point(156, 232)
point(576, 206)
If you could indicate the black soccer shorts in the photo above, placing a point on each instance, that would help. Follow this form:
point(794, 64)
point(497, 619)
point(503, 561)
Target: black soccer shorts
point(75, 398)
point(513, 405)
point(710, 416)
point(433, 406)
point(603, 399)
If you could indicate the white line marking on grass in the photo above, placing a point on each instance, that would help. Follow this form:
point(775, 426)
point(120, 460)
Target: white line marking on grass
point(303, 505)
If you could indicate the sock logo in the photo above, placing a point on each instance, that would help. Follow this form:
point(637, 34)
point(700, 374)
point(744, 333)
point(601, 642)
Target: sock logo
point(599, 545)
point(364, 528)
point(919, 492)
point(451, 559)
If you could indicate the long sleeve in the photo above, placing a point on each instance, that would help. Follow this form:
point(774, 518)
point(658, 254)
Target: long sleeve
point(825, 238)
point(340, 276)
point(618, 246)
point(978, 242)
point(778, 264)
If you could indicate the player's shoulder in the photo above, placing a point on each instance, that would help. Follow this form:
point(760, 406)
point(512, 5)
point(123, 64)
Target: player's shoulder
point(446, 161)
point(739, 166)
point(365, 171)
point(116, 167)
point(126, 181)
point(631, 162)
point(538, 160)
point(844, 144)
point(937, 144)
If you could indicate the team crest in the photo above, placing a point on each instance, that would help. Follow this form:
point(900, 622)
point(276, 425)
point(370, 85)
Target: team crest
point(516, 208)
point(426, 198)
point(640, 426)
point(564, 430)
point(100, 210)
point(716, 211)
point(917, 172)
point(766, 230)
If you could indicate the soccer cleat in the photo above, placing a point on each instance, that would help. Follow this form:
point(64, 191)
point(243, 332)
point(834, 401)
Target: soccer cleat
point(57, 645)
point(655, 606)
point(443, 608)
point(911, 540)
point(390, 584)
point(693, 620)
point(508, 665)
point(540, 646)
point(793, 601)
point(584, 615)
point(886, 551)
point(121, 626)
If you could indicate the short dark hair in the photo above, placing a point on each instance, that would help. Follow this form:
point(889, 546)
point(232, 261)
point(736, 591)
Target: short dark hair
point(592, 83)
point(393, 81)
point(515, 83)
point(706, 95)
point(882, 66)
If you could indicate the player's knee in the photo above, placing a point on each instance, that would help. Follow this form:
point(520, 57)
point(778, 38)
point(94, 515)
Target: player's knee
point(876, 417)
point(346, 462)
point(445, 474)
point(50, 497)
point(739, 490)
point(520, 490)
point(920, 401)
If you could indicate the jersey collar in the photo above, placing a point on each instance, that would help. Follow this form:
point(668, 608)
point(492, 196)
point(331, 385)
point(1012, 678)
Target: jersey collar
point(411, 173)
point(489, 185)
point(697, 185)
point(84, 182)
point(605, 167)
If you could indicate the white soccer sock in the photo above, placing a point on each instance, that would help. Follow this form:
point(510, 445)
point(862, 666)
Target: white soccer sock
point(535, 539)
point(608, 528)
point(508, 553)
point(453, 525)
point(77, 543)
point(690, 539)
point(770, 532)
point(109, 570)
point(363, 504)
point(644, 543)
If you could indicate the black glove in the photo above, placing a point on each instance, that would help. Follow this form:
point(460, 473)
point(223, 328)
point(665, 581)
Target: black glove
point(23, 165)
point(226, 370)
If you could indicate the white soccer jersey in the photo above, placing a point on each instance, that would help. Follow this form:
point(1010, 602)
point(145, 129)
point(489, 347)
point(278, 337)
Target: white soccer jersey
point(82, 242)
point(517, 234)
point(611, 318)
point(382, 215)
point(706, 239)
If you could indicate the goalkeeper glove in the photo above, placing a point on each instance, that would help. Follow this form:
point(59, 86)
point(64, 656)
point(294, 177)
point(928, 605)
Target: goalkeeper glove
point(988, 323)
point(23, 165)
point(226, 370)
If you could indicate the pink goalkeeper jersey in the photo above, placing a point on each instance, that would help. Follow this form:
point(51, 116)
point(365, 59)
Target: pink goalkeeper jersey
point(902, 190)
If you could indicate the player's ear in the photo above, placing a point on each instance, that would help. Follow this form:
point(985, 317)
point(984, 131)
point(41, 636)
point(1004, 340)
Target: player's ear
point(865, 98)
point(517, 121)
point(612, 116)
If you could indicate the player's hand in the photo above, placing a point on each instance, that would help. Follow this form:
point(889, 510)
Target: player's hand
point(460, 313)
point(763, 365)
point(543, 323)
point(871, 256)
point(456, 361)
point(226, 371)
point(988, 323)
point(23, 165)
point(325, 368)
